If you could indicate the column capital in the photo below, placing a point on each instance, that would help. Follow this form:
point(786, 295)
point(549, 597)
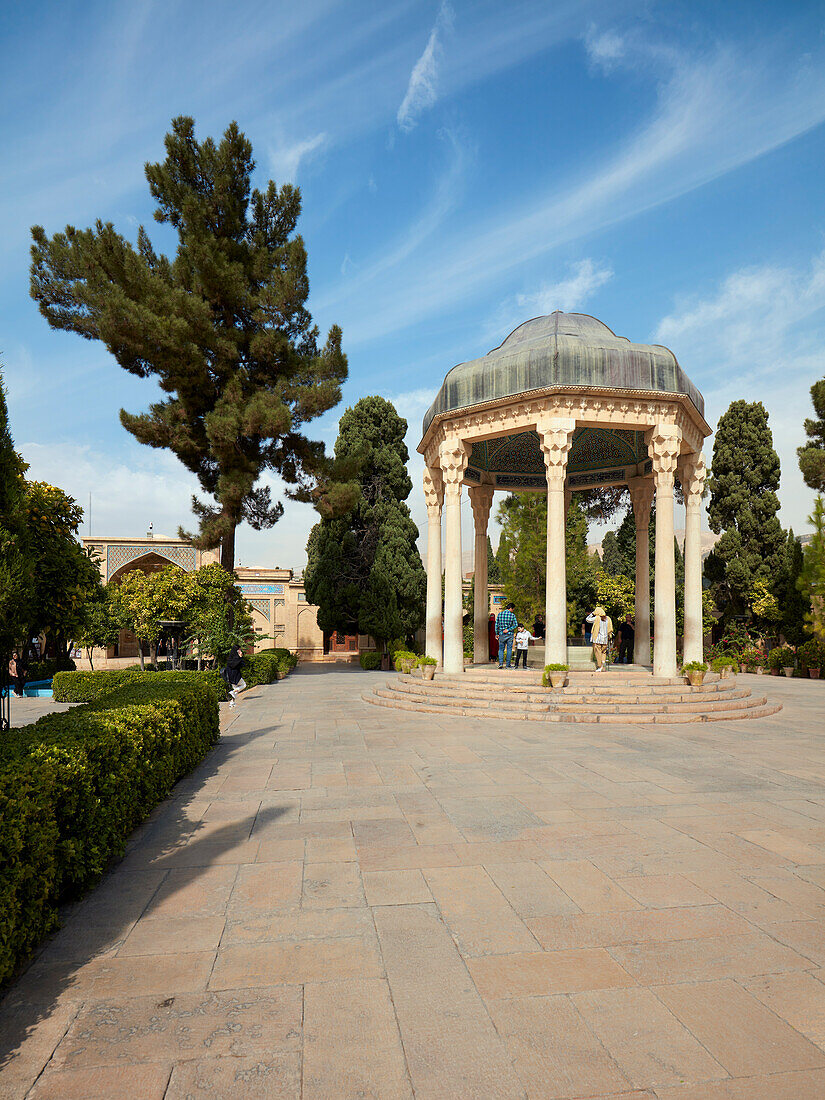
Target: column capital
point(452, 456)
point(641, 497)
point(692, 472)
point(663, 444)
point(555, 436)
point(481, 501)
point(433, 491)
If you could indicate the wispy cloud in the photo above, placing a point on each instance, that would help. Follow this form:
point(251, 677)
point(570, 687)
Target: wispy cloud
point(604, 48)
point(567, 294)
point(286, 158)
point(422, 89)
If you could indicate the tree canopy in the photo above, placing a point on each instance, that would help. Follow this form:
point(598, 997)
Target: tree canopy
point(16, 581)
point(223, 327)
point(363, 568)
point(812, 454)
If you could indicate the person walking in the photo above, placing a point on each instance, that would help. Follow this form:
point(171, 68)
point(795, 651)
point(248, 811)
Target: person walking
point(627, 637)
point(17, 674)
point(506, 627)
point(523, 639)
point(232, 673)
point(600, 630)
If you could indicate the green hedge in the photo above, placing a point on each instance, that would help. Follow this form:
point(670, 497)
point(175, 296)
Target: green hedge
point(370, 660)
point(74, 785)
point(86, 687)
point(267, 666)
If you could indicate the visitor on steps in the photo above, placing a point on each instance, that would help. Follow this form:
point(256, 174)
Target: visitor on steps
point(523, 640)
point(600, 630)
point(506, 627)
point(627, 636)
point(232, 673)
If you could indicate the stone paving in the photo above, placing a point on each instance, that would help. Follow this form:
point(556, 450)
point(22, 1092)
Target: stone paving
point(349, 902)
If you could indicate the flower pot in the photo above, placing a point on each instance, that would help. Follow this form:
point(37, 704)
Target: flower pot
point(557, 679)
point(774, 672)
point(788, 671)
point(760, 670)
point(725, 672)
point(696, 679)
point(813, 673)
point(428, 671)
point(407, 665)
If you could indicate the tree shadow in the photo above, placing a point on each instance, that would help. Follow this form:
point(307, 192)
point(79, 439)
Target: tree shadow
point(97, 924)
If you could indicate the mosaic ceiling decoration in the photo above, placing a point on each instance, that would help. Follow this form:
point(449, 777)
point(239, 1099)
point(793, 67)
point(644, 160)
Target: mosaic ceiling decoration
point(592, 449)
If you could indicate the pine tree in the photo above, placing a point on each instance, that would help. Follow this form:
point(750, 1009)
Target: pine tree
point(812, 455)
point(613, 562)
point(793, 605)
point(363, 569)
point(743, 504)
point(16, 578)
point(493, 571)
point(223, 327)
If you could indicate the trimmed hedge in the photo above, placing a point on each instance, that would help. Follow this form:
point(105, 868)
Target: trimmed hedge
point(267, 666)
point(75, 784)
point(370, 660)
point(86, 687)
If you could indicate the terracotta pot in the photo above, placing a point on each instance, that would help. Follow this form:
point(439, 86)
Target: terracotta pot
point(760, 670)
point(557, 679)
point(696, 678)
point(788, 671)
point(428, 671)
point(774, 672)
point(407, 665)
point(813, 673)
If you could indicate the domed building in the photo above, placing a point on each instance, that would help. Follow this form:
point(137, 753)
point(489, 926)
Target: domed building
point(564, 404)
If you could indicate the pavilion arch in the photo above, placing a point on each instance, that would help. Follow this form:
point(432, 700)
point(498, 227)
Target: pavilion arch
point(151, 562)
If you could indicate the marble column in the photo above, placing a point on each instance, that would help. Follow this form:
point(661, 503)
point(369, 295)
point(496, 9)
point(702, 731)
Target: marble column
point(692, 471)
point(452, 456)
point(555, 437)
point(641, 494)
point(434, 497)
point(481, 500)
point(663, 447)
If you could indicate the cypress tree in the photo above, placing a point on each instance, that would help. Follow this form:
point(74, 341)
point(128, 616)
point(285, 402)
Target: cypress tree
point(812, 455)
point(743, 481)
point(493, 571)
point(793, 604)
point(363, 569)
point(16, 580)
point(223, 327)
point(613, 562)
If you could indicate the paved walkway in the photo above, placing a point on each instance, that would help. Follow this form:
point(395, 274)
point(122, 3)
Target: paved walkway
point(347, 902)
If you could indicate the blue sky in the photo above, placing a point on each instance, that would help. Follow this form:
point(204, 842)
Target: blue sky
point(464, 166)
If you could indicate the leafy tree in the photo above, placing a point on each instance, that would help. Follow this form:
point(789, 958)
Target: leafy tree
point(363, 569)
point(144, 600)
point(493, 570)
point(16, 581)
point(211, 591)
point(616, 593)
point(102, 624)
point(613, 561)
point(812, 581)
point(812, 455)
point(65, 578)
point(582, 568)
point(743, 504)
point(791, 601)
point(223, 327)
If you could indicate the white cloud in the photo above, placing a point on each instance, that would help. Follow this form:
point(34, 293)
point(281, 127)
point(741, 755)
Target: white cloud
point(567, 294)
point(758, 336)
point(422, 89)
point(286, 158)
point(604, 48)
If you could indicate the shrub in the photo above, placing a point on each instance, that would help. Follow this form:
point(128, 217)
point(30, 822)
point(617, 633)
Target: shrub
point(267, 666)
point(370, 660)
point(781, 657)
point(694, 666)
point(403, 655)
point(86, 687)
point(48, 666)
point(427, 661)
point(723, 661)
point(811, 654)
point(752, 659)
point(545, 679)
point(75, 784)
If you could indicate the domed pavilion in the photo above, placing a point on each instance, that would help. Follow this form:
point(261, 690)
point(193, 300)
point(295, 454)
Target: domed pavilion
point(562, 405)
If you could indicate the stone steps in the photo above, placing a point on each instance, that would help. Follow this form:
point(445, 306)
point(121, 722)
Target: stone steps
point(653, 690)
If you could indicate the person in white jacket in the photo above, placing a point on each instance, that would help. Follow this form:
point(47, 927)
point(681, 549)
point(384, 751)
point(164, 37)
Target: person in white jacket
point(523, 640)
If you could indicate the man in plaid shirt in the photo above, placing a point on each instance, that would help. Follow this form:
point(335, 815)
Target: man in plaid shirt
point(506, 627)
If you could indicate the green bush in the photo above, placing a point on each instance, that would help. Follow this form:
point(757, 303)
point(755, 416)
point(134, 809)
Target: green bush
point(725, 660)
point(812, 654)
point(75, 784)
point(48, 666)
point(545, 678)
point(267, 666)
point(370, 660)
point(752, 659)
point(86, 687)
point(403, 655)
point(694, 666)
point(781, 657)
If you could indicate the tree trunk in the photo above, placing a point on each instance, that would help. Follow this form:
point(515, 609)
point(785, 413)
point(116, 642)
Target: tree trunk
point(140, 654)
point(153, 653)
point(91, 663)
point(228, 550)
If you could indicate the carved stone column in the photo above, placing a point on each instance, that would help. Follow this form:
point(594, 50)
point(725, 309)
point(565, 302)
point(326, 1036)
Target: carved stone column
point(452, 455)
point(641, 494)
point(434, 496)
point(692, 477)
point(555, 437)
point(663, 447)
point(481, 499)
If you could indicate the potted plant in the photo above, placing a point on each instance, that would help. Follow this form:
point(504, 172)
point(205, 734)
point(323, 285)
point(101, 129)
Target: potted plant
point(811, 657)
point(724, 664)
point(405, 661)
point(554, 675)
point(775, 660)
point(695, 672)
point(427, 665)
point(753, 660)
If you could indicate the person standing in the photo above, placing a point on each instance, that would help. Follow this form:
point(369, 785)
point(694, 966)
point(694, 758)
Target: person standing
point(538, 629)
point(627, 636)
point(17, 674)
point(232, 673)
point(600, 630)
point(506, 627)
point(523, 639)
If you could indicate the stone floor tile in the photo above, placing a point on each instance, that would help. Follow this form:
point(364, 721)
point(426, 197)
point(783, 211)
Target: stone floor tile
point(476, 912)
point(797, 998)
point(118, 1032)
point(805, 1085)
point(636, 926)
point(707, 958)
point(265, 887)
point(281, 851)
point(379, 857)
point(148, 1082)
point(271, 1077)
point(272, 962)
point(170, 935)
point(396, 888)
point(650, 1045)
point(542, 973)
point(806, 937)
point(485, 853)
point(330, 849)
point(193, 893)
point(588, 887)
point(553, 1050)
point(352, 1047)
point(297, 925)
point(530, 890)
point(784, 845)
point(453, 1051)
point(664, 891)
point(28, 1038)
point(332, 886)
point(165, 975)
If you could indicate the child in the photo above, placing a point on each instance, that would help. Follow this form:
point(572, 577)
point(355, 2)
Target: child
point(523, 639)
